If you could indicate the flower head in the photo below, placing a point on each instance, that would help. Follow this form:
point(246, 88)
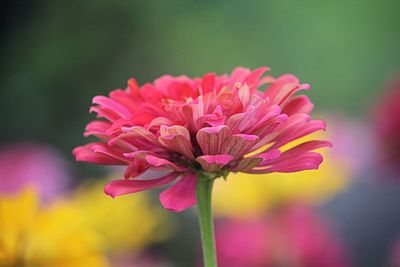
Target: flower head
point(211, 125)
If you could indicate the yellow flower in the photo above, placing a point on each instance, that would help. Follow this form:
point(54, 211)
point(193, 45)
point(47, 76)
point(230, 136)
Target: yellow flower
point(77, 231)
point(246, 194)
point(32, 236)
point(126, 223)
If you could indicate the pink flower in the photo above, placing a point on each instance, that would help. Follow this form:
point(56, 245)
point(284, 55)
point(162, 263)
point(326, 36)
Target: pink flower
point(184, 126)
point(293, 236)
point(387, 124)
point(395, 254)
point(27, 164)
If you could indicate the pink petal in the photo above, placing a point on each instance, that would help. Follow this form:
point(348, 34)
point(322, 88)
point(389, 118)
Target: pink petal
point(99, 153)
point(135, 168)
point(210, 139)
point(181, 195)
point(176, 138)
point(157, 122)
point(238, 145)
point(246, 164)
point(111, 104)
point(213, 119)
point(207, 84)
point(253, 77)
point(238, 75)
point(283, 88)
point(307, 161)
point(306, 147)
point(160, 162)
point(104, 113)
point(212, 163)
point(139, 132)
point(98, 129)
point(253, 161)
point(240, 121)
point(123, 187)
point(297, 131)
point(298, 104)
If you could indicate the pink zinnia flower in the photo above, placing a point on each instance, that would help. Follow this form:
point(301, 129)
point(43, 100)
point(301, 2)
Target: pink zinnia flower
point(184, 126)
point(292, 236)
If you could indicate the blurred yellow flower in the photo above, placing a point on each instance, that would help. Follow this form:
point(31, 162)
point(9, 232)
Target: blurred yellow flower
point(77, 231)
point(247, 194)
point(126, 223)
point(33, 236)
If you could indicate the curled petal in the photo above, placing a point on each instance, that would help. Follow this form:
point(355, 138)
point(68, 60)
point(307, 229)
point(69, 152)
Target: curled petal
point(212, 163)
point(99, 153)
point(210, 139)
point(176, 138)
point(160, 162)
point(98, 129)
point(135, 168)
point(175, 130)
point(238, 145)
point(104, 113)
point(181, 195)
point(298, 104)
point(214, 119)
point(158, 122)
point(113, 105)
point(138, 132)
point(283, 88)
point(254, 76)
point(123, 187)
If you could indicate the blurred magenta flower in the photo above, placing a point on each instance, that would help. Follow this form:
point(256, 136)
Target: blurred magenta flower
point(35, 165)
point(190, 126)
point(395, 254)
point(387, 124)
point(292, 236)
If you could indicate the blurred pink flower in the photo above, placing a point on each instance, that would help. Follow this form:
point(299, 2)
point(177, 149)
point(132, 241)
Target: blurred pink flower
point(387, 124)
point(395, 254)
point(185, 126)
point(352, 146)
point(27, 164)
point(293, 236)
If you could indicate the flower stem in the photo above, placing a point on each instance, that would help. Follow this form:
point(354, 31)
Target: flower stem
point(203, 194)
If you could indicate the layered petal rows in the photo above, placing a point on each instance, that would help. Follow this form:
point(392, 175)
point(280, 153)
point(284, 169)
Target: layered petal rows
point(181, 126)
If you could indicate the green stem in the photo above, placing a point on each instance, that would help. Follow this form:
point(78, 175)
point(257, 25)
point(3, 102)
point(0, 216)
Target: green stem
point(203, 194)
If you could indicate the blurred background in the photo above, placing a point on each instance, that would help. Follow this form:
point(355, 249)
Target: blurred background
point(57, 55)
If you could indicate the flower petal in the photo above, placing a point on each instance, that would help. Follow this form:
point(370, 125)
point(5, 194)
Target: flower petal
point(298, 104)
point(160, 162)
point(238, 145)
point(112, 105)
point(181, 195)
point(253, 161)
point(212, 163)
point(99, 153)
point(123, 187)
point(210, 139)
